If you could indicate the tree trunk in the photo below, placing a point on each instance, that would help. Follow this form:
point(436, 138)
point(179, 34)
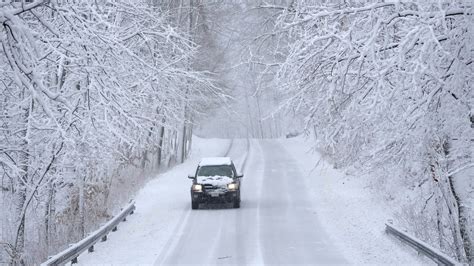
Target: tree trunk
point(160, 144)
point(82, 218)
point(462, 222)
point(183, 143)
point(50, 212)
point(260, 126)
point(190, 139)
point(21, 189)
point(19, 246)
point(447, 205)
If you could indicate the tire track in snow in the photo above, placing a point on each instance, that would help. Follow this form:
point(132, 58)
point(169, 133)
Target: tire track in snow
point(259, 258)
point(179, 228)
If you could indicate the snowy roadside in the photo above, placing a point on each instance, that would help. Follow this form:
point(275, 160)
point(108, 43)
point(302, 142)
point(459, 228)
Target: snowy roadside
point(352, 214)
point(148, 230)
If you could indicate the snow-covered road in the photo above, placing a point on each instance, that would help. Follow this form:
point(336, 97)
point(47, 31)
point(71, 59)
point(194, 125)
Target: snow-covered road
point(276, 224)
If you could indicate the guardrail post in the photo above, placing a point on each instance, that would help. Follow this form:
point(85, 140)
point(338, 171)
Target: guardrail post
point(91, 248)
point(73, 261)
point(114, 229)
point(104, 238)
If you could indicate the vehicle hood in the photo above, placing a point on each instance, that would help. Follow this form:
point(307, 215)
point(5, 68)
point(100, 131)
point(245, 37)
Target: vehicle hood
point(219, 181)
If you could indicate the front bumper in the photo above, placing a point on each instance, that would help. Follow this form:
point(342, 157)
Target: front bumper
point(215, 196)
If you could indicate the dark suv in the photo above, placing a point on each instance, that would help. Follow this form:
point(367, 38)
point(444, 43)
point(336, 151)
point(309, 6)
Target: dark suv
point(216, 180)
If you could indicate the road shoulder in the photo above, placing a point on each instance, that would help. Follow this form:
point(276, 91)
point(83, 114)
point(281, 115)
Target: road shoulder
point(162, 205)
point(349, 211)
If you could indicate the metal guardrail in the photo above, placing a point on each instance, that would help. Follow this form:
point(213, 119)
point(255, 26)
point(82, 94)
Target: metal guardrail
point(429, 251)
point(74, 250)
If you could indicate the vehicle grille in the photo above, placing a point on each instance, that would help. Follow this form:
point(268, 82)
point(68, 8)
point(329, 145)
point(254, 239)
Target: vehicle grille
point(209, 188)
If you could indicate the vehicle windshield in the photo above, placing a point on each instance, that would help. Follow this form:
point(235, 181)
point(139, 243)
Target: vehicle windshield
point(215, 170)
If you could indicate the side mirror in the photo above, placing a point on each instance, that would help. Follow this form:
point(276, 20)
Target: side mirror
point(191, 177)
point(240, 175)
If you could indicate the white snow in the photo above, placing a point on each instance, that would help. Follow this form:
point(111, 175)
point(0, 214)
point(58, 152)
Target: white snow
point(351, 213)
point(161, 208)
point(215, 161)
point(219, 181)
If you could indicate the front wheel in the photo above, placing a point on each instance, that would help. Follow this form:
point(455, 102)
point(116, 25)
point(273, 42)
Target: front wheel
point(194, 205)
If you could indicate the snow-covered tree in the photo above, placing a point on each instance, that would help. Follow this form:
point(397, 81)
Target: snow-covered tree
point(387, 88)
point(88, 89)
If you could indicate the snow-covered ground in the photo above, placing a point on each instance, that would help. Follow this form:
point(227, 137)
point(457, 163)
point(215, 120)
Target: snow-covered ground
point(160, 211)
point(291, 213)
point(350, 211)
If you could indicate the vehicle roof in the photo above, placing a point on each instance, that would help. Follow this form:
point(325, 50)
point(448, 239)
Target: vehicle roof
point(215, 161)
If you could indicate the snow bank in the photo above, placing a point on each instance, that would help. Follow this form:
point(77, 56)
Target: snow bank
point(351, 212)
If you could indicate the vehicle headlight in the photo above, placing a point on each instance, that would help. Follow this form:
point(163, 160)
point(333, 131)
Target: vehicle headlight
point(197, 188)
point(232, 186)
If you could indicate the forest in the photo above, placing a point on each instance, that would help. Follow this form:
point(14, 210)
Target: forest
point(97, 96)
